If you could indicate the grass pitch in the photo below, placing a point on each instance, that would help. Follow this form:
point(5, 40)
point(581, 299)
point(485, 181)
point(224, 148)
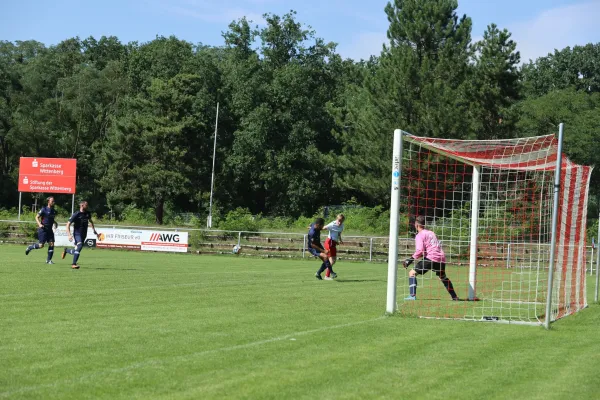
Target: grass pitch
point(131, 325)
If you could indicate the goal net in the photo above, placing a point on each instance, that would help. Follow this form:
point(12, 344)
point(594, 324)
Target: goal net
point(490, 204)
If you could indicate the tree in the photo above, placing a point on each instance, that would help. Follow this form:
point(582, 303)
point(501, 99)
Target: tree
point(101, 52)
point(578, 67)
point(494, 86)
point(162, 58)
point(580, 112)
point(158, 145)
point(419, 86)
point(276, 159)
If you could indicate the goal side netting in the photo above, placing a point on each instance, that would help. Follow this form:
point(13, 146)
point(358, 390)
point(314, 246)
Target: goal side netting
point(490, 204)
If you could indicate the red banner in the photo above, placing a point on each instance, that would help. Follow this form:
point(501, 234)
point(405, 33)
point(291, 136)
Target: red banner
point(47, 175)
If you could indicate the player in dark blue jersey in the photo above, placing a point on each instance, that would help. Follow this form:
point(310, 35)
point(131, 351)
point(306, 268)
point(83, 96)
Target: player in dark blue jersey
point(80, 221)
point(315, 247)
point(45, 221)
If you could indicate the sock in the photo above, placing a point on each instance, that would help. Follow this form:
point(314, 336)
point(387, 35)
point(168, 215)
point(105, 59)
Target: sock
point(69, 251)
point(329, 268)
point(33, 246)
point(412, 285)
point(50, 252)
point(75, 256)
point(320, 271)
point(448, 285)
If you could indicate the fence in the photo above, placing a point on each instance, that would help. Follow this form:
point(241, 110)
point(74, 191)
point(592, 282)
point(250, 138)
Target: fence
point(293, 245)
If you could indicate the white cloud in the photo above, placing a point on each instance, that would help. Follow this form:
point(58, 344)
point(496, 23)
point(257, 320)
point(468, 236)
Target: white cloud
point(364, 45)
point(557, 28)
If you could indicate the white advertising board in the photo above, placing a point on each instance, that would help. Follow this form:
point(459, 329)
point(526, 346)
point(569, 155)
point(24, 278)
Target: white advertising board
point(114, 238)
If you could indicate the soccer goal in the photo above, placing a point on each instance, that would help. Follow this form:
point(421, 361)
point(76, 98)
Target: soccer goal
point(505, 211)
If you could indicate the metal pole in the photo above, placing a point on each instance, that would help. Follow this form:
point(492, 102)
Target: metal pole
point(391, 305)
point(212, 179)
point(303, 246)
point(19, 218)
point(597, 263)
point(557, 170)
point(239, 238)
point(371, 249)
point(474, 227)
point(592, 262)
point(508, 257)
point(73, 204)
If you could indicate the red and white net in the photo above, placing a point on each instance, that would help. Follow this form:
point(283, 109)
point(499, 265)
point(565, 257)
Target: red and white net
point(514, 230)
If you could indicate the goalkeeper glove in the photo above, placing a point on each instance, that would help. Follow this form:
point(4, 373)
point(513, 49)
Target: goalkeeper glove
point(408, 261)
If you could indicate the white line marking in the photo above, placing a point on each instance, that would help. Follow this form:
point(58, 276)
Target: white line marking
point(180, 358)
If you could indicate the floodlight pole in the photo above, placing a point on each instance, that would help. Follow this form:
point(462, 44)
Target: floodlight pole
point(391, 304)
point(212, 180)
point(597, 260)
point(557, 170)
point(476, 189)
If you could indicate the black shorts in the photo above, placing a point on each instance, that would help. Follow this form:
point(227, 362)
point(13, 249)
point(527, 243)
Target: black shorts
point(314, 252)
point(46, 234)
point(79, 236)
point(427, 265)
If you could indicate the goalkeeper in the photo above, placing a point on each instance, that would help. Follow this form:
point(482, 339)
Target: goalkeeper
point(431, 257)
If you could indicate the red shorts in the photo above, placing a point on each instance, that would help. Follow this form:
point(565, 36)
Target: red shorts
point(331, 246)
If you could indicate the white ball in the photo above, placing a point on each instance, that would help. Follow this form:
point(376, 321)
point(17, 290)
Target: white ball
point(236, 249)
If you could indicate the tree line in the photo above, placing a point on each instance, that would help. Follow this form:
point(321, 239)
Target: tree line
point(299, 126)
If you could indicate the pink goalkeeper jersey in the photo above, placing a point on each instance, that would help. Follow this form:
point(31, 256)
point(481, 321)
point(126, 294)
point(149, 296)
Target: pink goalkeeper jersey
point(428, 246)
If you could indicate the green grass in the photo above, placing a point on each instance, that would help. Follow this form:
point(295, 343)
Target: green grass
point(142, 325)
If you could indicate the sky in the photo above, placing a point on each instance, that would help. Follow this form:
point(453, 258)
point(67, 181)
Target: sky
point(357, 26)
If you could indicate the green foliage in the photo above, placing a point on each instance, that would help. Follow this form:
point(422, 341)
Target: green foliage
point(133, 215)
point(580, 112)
point(592, 232)
point(494, 85)
point(195, 238)
point(299, 127)
point(239, 219)
point(575, 67)
point(418, 85)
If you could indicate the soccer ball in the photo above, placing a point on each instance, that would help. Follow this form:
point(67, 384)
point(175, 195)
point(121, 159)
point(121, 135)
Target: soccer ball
point(237, 249)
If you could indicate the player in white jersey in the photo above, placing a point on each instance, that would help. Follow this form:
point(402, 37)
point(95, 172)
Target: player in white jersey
point(335, 229)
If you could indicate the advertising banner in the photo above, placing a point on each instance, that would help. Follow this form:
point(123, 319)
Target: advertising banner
point(135, 239)
point(47, 175)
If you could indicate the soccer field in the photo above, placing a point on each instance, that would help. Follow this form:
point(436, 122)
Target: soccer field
point(133, 325)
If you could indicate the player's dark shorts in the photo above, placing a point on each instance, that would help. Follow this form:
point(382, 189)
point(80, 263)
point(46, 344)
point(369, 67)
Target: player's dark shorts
point(79, 236)
point(427, 265)
point(46, 234)
point(314, 252)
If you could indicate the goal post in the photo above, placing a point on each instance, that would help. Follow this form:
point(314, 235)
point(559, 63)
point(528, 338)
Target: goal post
point(391, 304)
point(474, 227)
point(490, 204)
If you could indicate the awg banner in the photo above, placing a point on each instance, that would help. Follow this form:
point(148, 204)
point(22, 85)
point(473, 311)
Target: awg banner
point(47, 175)
point(145, 240)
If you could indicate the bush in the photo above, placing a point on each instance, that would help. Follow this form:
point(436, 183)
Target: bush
point(197, 237)
point(366, 220)
point(239, 219)
point(137, 216)
point(592, 230)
